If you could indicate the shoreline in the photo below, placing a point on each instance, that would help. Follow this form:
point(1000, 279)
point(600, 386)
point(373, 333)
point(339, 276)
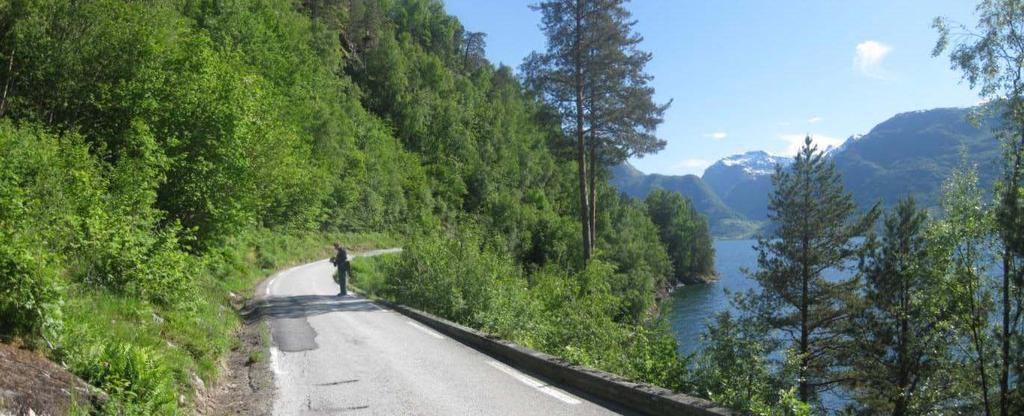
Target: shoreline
point(666, 291)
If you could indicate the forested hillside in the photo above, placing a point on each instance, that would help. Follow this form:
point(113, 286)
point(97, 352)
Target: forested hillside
point(724, 221)
point(912, 153)
point(158, 157)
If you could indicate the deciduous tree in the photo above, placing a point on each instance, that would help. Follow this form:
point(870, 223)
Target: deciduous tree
point(991, 59)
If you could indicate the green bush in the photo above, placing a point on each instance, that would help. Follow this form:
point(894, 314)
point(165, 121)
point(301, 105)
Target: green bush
point(449, 276)
point(29, 299)
point(461, 277)
point(734, 371)
point(138, 262)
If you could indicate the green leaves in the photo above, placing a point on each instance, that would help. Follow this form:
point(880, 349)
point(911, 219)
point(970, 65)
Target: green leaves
point(813, 230)
point(685, 235)
point(468, 279)
point(143, 142)
point(135, 378)
point(733, 369)
point(900, 357)
point(29, 297)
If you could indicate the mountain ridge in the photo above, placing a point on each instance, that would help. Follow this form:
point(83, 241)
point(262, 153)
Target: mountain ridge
point(908, 154)
point(723, 220)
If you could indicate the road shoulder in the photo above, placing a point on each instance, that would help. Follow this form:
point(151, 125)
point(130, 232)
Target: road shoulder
point(246, 384)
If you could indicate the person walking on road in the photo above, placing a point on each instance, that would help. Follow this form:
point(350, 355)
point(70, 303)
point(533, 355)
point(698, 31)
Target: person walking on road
point(340, 260)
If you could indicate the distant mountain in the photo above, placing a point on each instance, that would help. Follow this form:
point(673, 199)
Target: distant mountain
point(723, 221)
point(909, 154)
point(743, 181)
point(728, 172)
point(913, 153)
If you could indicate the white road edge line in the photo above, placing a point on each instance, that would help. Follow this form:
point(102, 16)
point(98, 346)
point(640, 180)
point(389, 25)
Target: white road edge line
point(274, 353)
point(428, 331)
point(537, 384)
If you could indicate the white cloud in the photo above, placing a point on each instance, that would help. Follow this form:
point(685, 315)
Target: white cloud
point(795, 141)
point(716, 135)
point(869, 57)
point(691, 165)
point(814, 119)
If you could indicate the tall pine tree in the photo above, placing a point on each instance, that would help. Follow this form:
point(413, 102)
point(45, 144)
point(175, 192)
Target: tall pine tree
point(592, 72)
point(813, 230)
point(899, 345)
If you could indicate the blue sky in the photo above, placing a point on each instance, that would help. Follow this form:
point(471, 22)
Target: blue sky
point(759, 75)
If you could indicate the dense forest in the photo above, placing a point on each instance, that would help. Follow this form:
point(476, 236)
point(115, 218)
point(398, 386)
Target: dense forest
point(158, 157)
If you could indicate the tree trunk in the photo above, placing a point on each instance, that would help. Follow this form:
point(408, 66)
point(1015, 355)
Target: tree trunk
point(581, 149)
point(983, 372)
point(7, 84)
point(1004, 367)
point(903, 361)
point(593, 188)
point(805, 335)
point(804, 385)
point(1008, 269)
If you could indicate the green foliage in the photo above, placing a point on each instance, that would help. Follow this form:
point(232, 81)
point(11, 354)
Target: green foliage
point(814, 231)
point(734, 370)
point(572, 315)
point(451, 277)
point(134, 377)
point(685, 235)
point(160, 156)
point(642, 265)
point(131, 261)
point(29, 299)
point(733, 353)
point(989, 58)
point(899, 352)
point(963, 238)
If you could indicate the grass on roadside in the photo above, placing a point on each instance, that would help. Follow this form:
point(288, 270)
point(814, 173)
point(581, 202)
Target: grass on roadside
point(151, 358)
point(258, 355)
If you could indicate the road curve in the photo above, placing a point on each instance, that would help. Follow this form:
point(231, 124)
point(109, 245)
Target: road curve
point(348, 355)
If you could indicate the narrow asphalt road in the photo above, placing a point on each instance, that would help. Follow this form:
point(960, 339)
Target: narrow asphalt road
point(348, 355)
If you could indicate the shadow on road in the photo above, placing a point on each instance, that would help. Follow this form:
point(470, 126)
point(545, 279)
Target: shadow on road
point(304, 306)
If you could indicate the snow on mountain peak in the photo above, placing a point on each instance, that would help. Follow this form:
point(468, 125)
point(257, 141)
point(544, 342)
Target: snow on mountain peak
point(755, 163)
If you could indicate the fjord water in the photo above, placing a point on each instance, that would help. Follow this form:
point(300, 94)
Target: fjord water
point(690, 307)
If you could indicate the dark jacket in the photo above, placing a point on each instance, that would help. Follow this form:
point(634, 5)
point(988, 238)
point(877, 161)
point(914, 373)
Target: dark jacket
point(341, 260)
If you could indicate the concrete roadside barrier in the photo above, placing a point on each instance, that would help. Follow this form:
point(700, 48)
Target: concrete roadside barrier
point(639, 397)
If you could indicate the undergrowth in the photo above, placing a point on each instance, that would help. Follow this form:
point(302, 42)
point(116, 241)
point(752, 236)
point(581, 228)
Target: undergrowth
point(151, 357)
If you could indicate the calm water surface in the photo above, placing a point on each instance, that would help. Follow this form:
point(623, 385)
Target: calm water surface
point(690, 307)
